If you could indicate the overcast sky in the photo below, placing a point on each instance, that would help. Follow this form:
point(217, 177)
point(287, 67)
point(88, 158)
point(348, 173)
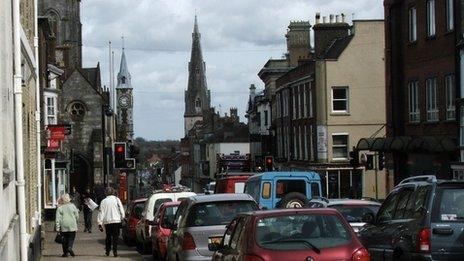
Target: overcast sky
point(238, 37)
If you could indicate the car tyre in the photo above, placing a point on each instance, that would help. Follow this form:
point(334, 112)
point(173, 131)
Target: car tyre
point(294, 200)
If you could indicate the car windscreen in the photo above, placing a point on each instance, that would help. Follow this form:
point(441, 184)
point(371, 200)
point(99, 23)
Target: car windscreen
point(354, 213)
point(299, 232)
point(449, 205)
point(158, 203)
point(252, 188)
point(169, 215)
point(217, 213)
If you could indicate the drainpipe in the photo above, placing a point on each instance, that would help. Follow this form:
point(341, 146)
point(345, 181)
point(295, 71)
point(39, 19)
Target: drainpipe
point(37, 113)
point(18, 113)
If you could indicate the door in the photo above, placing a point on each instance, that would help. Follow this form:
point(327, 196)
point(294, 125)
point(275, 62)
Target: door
point(447, 222)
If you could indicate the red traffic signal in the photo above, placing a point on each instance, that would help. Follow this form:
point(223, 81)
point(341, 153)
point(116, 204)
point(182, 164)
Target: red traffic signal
point(269, 162)
point(120, 155)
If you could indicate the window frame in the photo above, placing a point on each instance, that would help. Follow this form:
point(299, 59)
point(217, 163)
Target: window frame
point(340, 146)
point(450, 89)
point(431, 18)
point(412, 19)
point(50, 110)
point(346, 99)
point(413, 102)
point(433, 113)
point(449, 6)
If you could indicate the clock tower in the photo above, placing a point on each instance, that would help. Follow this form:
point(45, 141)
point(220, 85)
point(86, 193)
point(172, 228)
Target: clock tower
point(125, 102)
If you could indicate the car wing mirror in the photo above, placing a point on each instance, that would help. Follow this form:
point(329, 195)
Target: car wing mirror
point(368, 218)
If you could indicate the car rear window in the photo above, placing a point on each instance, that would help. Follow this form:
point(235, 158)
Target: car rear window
point(137, 210)
point(160, 201)
point(299, 232)
point(354, 213)
point(217, 213)
point(169, 216)
point(449, 205)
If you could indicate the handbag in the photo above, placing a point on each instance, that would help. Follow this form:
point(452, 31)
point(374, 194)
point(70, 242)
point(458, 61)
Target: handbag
point(59, 238)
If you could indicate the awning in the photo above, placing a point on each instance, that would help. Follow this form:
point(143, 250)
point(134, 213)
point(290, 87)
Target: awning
point(408, 144)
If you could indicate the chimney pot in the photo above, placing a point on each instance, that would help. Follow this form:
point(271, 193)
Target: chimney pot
point(337, 19)
point(318, 17)
point(324, 19)
point(331, 18)
point(343, 17)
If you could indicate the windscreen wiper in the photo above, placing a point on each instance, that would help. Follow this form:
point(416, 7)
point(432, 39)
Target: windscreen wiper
point(311, 245)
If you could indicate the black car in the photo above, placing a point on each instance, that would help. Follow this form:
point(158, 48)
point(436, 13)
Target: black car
point(421, 219)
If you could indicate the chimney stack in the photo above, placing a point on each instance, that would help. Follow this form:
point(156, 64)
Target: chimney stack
point(326, 33)
point(324, 19)
point(343, 17)
point(318, 17)
point(331, 18)
point(337, 19)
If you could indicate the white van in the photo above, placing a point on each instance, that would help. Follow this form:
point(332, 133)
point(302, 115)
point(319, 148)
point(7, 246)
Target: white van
point(143, 229)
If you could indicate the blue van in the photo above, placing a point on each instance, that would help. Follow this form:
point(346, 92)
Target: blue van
point(282, 189)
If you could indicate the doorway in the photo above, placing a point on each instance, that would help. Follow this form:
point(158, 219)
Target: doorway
point(81, 174)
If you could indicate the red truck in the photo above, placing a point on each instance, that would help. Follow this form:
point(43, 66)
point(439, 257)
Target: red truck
point(232, 182)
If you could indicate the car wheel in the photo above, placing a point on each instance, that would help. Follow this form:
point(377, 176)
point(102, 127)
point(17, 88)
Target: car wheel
point(294, 200)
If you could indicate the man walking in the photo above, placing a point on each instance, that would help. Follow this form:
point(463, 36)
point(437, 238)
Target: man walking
point(88, 206)
point(111, 215)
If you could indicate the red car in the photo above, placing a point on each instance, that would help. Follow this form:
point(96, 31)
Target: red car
point(290, 234)
point(160, 232)
point(133, 214)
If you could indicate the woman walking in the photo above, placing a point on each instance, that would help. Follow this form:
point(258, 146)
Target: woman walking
point(111, 215)
point(88, 208)
point(67, 216)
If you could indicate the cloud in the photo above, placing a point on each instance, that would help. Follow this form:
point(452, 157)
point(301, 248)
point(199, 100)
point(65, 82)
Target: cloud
point(238, 37)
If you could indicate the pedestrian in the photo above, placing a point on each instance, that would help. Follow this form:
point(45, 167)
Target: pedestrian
point(99, 192)
point(87, 207)
point(111, 215)
point(75, 197)
point(67, 216)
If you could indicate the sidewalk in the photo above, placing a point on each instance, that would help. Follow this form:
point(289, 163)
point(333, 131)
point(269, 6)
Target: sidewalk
point(88, 246)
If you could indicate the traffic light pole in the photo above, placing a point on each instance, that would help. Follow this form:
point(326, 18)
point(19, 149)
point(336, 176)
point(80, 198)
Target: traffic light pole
point(376, 159)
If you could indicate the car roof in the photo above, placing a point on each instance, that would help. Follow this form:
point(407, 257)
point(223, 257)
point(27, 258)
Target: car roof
point(221, 197)
point(169, 194)
point(352, 202)
point(290, 211)
point(272, 174)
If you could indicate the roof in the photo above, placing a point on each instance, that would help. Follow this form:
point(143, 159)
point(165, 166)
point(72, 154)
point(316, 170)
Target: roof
point(352, 202)
point(221, 197)
point(311, 174)
point(290, 211)
point(337, 47)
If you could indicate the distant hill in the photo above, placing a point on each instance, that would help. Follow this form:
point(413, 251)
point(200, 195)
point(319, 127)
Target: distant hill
point(150, 147)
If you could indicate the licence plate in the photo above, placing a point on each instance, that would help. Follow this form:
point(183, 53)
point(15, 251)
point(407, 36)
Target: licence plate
point(215, 240)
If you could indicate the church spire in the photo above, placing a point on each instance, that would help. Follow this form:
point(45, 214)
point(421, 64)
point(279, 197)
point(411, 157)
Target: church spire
point(197, 95)
point(124, 77)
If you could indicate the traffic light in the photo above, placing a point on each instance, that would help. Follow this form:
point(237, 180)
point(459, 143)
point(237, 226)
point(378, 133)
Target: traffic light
point(354, 158)
point(269, 162)
point(120, 155)
point(381, 160)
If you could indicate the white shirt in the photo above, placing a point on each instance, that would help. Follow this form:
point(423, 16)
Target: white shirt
point(111, 211)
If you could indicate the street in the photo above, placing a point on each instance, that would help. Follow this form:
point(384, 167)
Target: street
point(88, 246)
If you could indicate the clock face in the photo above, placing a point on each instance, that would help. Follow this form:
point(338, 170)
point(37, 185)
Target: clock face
point(124, 101)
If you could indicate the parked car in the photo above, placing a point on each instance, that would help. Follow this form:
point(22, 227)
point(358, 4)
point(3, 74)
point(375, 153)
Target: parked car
point(160, 230)
point(290, 234)
point(232, 182)
point(209, 188)
point(201, 220)
point(143, 229)
point(353, 210)
point(133, 214)
point(421, 219)
point(284, 189)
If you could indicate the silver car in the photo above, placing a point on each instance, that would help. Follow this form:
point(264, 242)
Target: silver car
point(201, 220)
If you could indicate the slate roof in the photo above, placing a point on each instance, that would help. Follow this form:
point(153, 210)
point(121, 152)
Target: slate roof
point(337, 47)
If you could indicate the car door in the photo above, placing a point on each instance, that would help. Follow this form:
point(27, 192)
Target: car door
point(373, 236)
point(174, 241)
point(233, 249)
point(222, 252)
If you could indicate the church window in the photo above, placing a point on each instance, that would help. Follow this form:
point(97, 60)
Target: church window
point(76, 110)
point(198, 103)
point(123, 80)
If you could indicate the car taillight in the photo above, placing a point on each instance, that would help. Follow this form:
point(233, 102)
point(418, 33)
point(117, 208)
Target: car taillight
point(361, 255)
point(188, 243)
point(252, 258)
point(424, 239)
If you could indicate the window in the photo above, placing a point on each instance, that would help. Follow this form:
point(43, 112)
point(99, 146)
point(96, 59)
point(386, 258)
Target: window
point(417, 203)
point(412, 24)
point(123, 80)
point(449, 205)
point(77, 110)
point(310, 103)
point(294, 143)
point(302, 102)
point(51, 111)
point(278, 111)
point(266, 190)
point(294, 103)
point(432, 101)
point(339, 99)
point(266, 120)
point(430, 18)
point(283, 187)
point(305, 102)
point(414, 111)
point(305, 142)
point(449, 15)
point(387, 210)
point(461, 127)
point(402, 203)
point(450, 97)
point(258, 118)
point(339, 146)
point(300, 139)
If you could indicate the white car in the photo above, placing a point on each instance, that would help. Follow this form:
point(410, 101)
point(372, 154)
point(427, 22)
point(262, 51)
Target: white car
point(143, 228)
